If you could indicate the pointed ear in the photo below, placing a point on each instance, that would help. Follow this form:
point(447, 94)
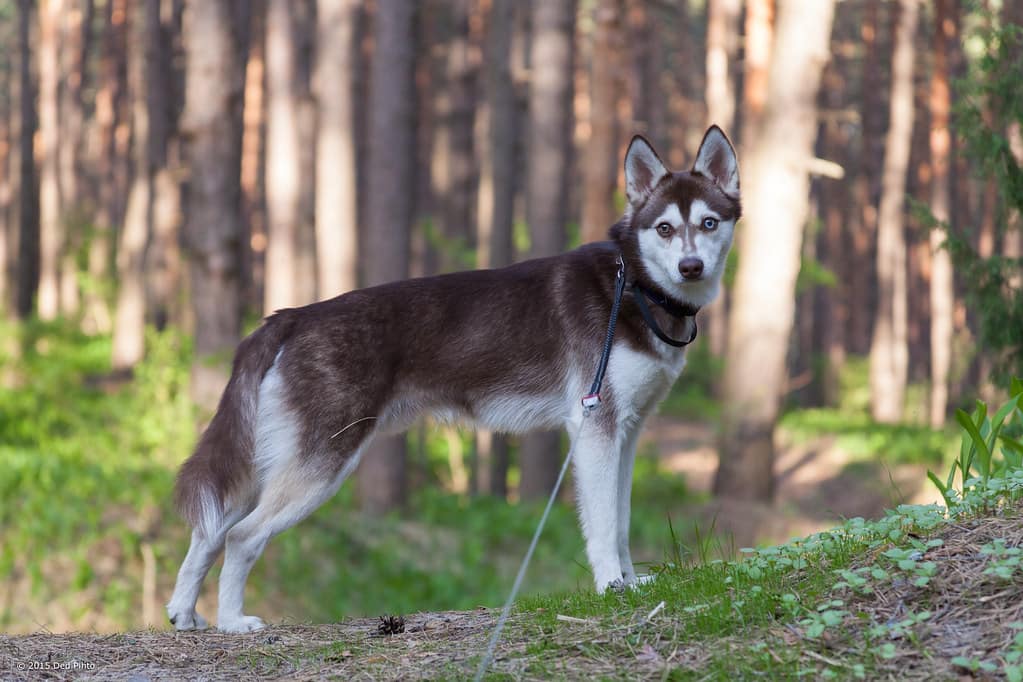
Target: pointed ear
point(716, 160)
point(643, 170)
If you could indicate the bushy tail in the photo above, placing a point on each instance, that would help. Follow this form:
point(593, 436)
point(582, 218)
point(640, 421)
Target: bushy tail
point(221, 465)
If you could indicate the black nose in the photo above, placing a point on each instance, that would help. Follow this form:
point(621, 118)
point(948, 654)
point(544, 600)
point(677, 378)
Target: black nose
point(691, 268)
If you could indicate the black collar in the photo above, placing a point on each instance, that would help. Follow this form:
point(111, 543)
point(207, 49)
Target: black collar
point(677, 310)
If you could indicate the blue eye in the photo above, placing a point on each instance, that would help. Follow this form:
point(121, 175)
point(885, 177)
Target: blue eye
point(710, 223)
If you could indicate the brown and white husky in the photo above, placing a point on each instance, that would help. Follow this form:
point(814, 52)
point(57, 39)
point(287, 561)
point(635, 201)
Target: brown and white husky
point(512, 349)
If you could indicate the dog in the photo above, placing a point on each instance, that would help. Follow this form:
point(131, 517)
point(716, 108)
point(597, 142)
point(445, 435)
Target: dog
point(511, 349)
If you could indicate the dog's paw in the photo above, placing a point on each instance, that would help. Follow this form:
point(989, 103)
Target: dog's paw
point(186, 619)
point(617, 586)
point(241, 624)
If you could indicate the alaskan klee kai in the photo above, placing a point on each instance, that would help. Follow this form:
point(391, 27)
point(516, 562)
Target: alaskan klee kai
point(512, 349)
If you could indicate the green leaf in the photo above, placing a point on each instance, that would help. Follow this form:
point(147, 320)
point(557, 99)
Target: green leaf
point(978, 442)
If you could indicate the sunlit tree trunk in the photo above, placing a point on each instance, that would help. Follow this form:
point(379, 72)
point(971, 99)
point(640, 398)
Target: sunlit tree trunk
point(759, 32)
point(889, 354)
point(51, 228)
point(776, 208)
point(215, 33)
point(942, 294)
point(28, 197)
point(129, 315)
point(282, 159)
point(389, 210)
point(600, 167)
point(547, 177)
point(336, 203)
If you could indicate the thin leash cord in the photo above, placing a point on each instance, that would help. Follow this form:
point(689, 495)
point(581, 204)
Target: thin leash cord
point(488, 658)
point(609, 337)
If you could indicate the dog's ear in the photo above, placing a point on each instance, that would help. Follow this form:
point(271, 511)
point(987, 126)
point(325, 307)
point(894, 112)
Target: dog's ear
point(716, 159)
point(643, 170)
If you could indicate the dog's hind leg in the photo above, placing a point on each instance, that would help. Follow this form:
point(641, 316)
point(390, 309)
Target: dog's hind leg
point(596, 478)
point(287, 498)
point(202, 552)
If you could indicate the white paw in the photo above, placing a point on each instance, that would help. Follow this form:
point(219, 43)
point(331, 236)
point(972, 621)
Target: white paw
point(616, 585)
point(186, 619)
point(240, 624)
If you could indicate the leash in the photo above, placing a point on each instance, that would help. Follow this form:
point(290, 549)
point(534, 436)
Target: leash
point(590, 402)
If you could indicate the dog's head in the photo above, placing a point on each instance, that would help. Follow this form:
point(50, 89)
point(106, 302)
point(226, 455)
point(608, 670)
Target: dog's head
point(678, 226)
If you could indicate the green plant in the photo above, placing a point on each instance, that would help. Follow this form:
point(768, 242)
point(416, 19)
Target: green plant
point(977, 465)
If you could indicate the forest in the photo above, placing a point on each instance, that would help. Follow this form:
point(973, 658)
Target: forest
point(173, 171)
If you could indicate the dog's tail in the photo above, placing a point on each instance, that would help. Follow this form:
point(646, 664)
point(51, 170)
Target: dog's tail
point(221, 467)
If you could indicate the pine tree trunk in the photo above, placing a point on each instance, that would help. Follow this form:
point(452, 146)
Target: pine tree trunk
point(889, 354)
point(51, 228)
point(942, 294)
point(282, 159)
point(776, 208)
point(457, 213)
point(547, 178)
point(336, 203)
point(600, 169)
point(130, 313)
point(389, 210)
point(214, 35)
point(496, 196)
point(756, 63)
point(28, 196)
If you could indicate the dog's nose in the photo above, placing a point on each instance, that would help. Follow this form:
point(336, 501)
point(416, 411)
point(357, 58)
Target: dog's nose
point(691, 268)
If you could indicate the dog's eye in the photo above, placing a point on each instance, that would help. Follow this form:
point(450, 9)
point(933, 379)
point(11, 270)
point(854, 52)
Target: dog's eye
point(710, 223)
point(664, 229)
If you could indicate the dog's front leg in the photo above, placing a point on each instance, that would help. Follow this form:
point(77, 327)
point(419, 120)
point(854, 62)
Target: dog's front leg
point(625, 465)
point(596, 476)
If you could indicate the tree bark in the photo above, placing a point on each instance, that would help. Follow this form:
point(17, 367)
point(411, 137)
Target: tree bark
point(498, 121)
point(547, 186)
point(130, 313)
point(461, 82)
point(282, 159)
point(757, 60)
point(28, 196)
point(336, 202)
point(51, 229)
point(776, 199)
point(214, 35)
point(889, 354)
point(600, 170)
point(389, 209)
point(942, 294)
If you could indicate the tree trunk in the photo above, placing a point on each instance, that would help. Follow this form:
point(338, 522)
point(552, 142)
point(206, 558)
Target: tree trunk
point(253, 258)
point(498, 120)
point(282, 159)
point(756, 60)
point(304, 25)
point(889, 354)
point(51, 229)
point(389, 209)
point(336, 217)
point(547, 186)
point(776, 199)
point(28, 196)
point(457, 216)
point(215, 41)
point(942, 295)
point(600, 170)
point(130, 313)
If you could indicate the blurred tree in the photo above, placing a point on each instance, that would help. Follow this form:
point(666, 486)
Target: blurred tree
point(282, 159)
point(215, 40)
point(336, 72)
point(51, 218)
point(946, 20)
point(461, 76)
point(389, 209)
point(129, 315)
point(547, 183)
point(498, 118)
point(759, 31)
point(888, 349)
point(28, 196)
point(304, 13)
point(600, 167)
point(776, 199)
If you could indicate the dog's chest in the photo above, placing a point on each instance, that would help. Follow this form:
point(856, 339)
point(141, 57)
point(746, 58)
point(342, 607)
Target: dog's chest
point(640, 379)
